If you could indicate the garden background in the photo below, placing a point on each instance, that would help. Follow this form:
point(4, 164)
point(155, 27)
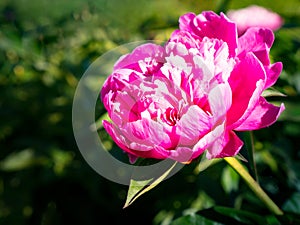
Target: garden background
point(46, 46)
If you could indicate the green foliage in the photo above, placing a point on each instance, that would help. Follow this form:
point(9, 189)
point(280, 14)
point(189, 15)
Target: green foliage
point(140, 187)
point(46, 46)
point(193, 220)
point(292, 204)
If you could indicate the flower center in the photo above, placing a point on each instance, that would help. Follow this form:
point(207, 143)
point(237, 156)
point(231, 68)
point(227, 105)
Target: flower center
point(171, 116)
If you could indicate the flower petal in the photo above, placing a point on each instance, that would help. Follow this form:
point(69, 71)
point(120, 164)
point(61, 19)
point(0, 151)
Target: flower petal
point(220, 99)
point(255, 16)
point(273, 71)
point(185, 20)
point(142, 52)
point(115, 134)
point(263, 115)
point(193, 125)
point(209, 24)
point(226, 146)
point(145, 134)
point(247, 81)
point(181, 154)
point(209, 140)
point(258, 41)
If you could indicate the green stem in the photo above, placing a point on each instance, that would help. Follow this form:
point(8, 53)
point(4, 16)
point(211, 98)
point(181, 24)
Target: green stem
point(249, 143)
point(238, 167)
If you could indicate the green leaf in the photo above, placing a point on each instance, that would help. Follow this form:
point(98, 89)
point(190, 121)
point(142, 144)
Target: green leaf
point(139, 187)
point(193, 219)
point(134, 188)
point(99, 121)
point(205, 163)
point(289, 218)
point(21, 160)
point(232, 216)
point(272, 92)
point(292, 204)
point(241, 216)
point(272, 220)
point(291, 112)
point(230, 179)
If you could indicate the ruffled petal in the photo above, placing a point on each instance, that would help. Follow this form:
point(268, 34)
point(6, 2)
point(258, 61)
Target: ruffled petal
point(220, 99)
point(273, 71)
point(119, 139)
point(247, 82)
point(263, 115)
point(209, 140)
point(209, 24)
point(194, 124)
point(181, 154)
point(226, 146)
point(142, 52)
point(258, 41)
point(185, 20)
point(145, 134)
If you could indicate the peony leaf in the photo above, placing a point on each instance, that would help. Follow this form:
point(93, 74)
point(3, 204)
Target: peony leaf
point(134, 188)
point(193, 219)
point(230, 180)
point(105, 116)
point(225, 215)
point(241, 216)
point(205, 163)
point(292, 204)
point(140, 187)
point(272, 92)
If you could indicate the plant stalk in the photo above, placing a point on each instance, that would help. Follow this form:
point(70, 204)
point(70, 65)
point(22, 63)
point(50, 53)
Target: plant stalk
point(239, 168)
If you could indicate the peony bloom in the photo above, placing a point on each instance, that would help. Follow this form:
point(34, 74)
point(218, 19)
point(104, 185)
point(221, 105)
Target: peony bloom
point(192, 94)
point(255, 16)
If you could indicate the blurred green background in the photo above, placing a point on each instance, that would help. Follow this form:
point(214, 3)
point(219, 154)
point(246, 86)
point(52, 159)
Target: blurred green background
point(45, 47)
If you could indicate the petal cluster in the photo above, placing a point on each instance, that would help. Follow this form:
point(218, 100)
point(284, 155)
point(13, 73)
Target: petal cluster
point(192, 94)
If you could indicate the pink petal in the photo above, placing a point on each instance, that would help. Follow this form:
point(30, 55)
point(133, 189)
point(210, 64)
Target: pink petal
point(247, 81)
point(220, 99)
point(118, 81)
point(141, 53)
point(193, 124)
point(184, 37)
point(209, 140)
point(146, 152)
point(185, 20)
point(258, 41)
point(226, 146)
point(273, 71)
point(181, 154)
point(209, 24)
point(116, 136)
point(121, 141)
point(263, 115)
point(255, 16)
point(154, 153)
point(145, 134)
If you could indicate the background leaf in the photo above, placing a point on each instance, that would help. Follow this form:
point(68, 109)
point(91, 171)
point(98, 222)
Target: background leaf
point(138, 188)
point(193, 219)
point(292, 204)
point(232, 216)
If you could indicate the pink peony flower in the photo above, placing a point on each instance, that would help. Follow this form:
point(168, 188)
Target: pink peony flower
point(192, 94)
point(255, 16)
